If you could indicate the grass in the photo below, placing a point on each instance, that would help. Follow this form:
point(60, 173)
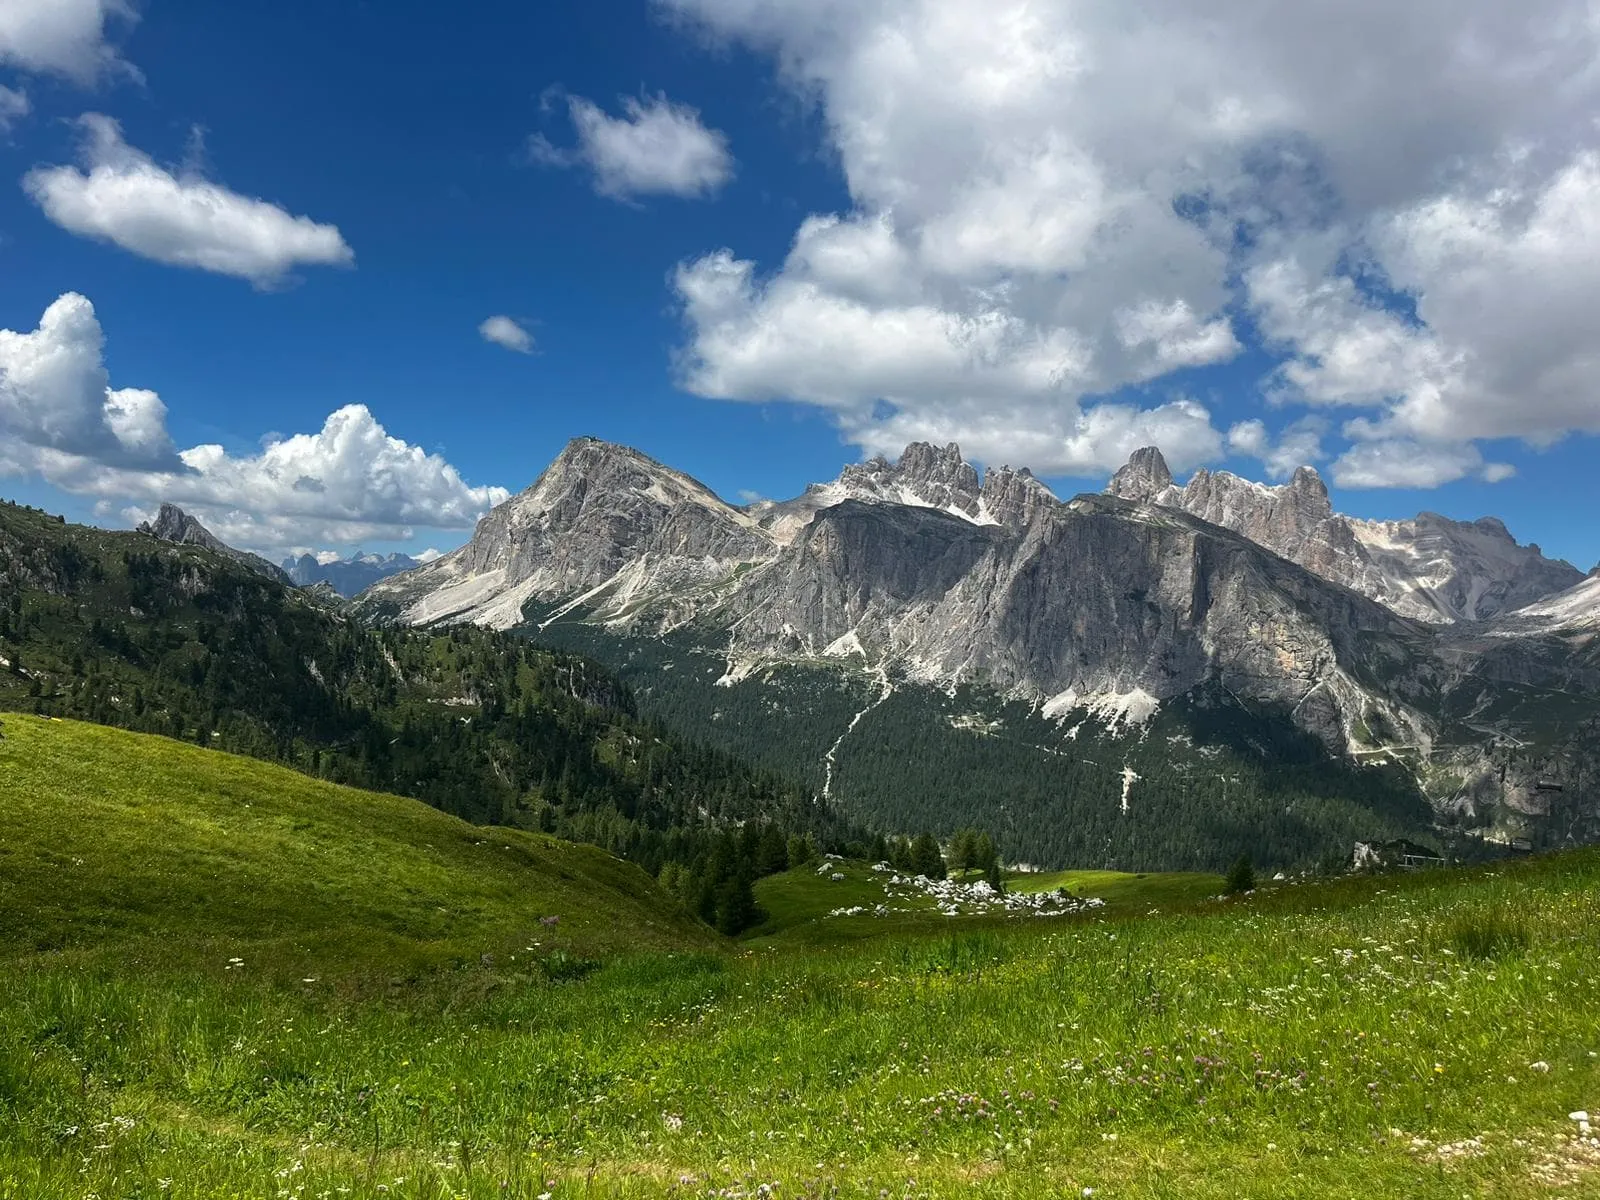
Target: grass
point(1329, 1039)
point(118, 840)
point(800, 904)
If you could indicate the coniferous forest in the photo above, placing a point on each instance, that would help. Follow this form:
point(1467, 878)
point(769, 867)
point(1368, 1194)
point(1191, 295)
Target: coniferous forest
point(1202, 782)
point(121, 629)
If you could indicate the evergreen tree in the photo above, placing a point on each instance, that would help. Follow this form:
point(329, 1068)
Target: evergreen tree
point(963, 850)
point(1241, 876)
point(736, 906)
point(985, 857)
point(772, 854)
point(925, 857)
point(993, 877)
point(802, 850)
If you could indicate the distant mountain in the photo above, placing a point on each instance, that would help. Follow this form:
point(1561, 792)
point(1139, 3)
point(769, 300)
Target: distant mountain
point(172, 524)
point(348, 576)
point(830, 635)
point(1429, 568)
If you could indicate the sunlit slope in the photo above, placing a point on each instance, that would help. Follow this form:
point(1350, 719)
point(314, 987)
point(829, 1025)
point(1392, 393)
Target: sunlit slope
point(109, 837)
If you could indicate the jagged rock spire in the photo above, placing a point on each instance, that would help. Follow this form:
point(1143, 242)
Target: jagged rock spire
point(1143, 478)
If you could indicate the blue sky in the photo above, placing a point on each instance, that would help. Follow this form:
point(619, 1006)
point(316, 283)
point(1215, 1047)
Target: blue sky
point(1019, 227)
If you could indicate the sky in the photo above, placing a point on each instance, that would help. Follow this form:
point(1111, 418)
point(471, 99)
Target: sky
point(339, 273)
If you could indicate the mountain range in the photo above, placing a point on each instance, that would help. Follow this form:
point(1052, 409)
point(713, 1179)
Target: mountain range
point(347, 576)
point(1446, 650)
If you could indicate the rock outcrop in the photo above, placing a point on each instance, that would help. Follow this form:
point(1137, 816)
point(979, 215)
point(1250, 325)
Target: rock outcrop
point(172, 524)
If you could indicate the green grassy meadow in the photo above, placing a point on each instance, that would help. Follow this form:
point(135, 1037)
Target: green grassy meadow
point(222, 979)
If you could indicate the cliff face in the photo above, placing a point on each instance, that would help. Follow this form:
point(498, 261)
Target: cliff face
point(1430, 568)
point(1110, 603)
point(1372, 637)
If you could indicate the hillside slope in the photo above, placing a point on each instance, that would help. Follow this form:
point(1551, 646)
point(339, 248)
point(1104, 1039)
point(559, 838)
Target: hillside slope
point(1421, 1035)
point(197, 849)
point(123, 629)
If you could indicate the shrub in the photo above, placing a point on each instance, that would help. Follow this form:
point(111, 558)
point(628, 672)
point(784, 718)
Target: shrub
point(1241, 877)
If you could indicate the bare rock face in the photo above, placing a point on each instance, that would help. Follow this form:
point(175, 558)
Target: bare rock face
point(1015, 498)
point(1369, 635)
point(1095, 604)
point(599, 515)
point(1429, 568)
point(172, 524)
point(1144, 478)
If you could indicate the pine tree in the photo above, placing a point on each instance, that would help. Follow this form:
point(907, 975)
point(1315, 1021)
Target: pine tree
point(1241, 877)
point(925, 857)
point(736, 906)
point(801, 850)
point(772, 854)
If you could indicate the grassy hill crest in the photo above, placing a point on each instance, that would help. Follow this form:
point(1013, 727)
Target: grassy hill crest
point(117, 839)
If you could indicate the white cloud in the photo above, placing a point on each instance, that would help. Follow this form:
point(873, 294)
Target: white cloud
point(1410, 463)
point(1093, 440)
point(122, 196)
point(503, 331)
point(1053, 199)
point(1298, 445)
point(63, 37)
point(428, 555)
point(55, 393)
point(656, 147)
point(348, 482)
point(14, 105)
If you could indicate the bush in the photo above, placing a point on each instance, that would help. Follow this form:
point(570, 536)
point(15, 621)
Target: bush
point(1241, 877)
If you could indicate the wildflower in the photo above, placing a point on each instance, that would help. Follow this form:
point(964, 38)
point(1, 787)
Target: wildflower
point(1541, 1066)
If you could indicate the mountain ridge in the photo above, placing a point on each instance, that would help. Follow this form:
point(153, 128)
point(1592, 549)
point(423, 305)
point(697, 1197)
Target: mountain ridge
point(172, 524)
point(1102, 607)
point(347, 576)
point(1429, 567)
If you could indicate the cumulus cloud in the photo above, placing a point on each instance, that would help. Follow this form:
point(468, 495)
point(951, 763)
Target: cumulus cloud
point(64, 37)
point(55, 394)
point(1051, 201)
point(120, 195)
point(1411, 463)
point(348, 482)
point(14, 105)
point(503, 331)
point(1298, 445)
point(656, 147)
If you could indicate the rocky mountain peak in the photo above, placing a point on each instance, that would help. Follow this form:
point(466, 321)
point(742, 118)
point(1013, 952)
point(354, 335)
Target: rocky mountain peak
point(922, 460)
point(174, 525)
point(1015, 498)
point(924, 475)
point(1311, 493)
point(1495, 527)
point(1143, 478)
